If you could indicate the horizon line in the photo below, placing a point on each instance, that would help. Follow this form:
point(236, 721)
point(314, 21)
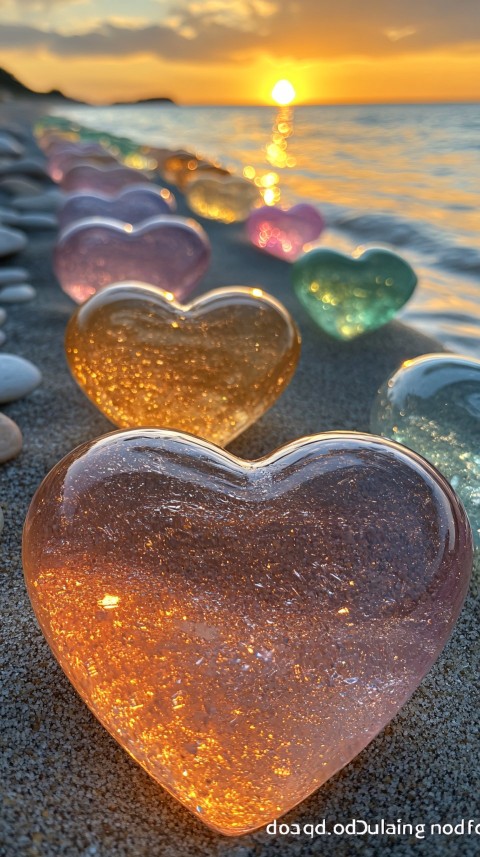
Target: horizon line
point(145, 101)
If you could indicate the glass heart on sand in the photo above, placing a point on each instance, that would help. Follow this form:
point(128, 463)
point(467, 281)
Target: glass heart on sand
point(107, 179)
point(244, 629)
point(432, 405)
point(284, 232)
point(349, 296)
point(170, 252)
point(211, 368)
point(227, 199)
point(133, 204)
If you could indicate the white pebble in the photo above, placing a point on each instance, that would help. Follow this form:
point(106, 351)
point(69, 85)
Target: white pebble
point(9, 146)
point(17, 294)
point(50, 200)
point(31, 167)
point(8, 276)
point(11, 241)
point(14, 129)
point(18, 378)
point(8, 216)
point(10, 439)
point(35, 220)
point(19, 186)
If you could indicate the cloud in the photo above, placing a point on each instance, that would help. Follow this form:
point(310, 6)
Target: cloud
point(231, 30)
point(403, 33)
point(241, 14)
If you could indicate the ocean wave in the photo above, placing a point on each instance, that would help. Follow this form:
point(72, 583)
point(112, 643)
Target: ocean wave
point(463, 259)
point(412, 235)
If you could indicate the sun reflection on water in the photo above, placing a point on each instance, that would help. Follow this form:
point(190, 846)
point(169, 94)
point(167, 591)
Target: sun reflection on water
point(276, 155)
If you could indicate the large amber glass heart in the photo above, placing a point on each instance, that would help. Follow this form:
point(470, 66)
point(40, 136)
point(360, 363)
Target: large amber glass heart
point(242, 628)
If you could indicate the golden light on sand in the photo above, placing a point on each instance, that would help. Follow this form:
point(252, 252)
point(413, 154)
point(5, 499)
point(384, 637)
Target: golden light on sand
point(283, 93)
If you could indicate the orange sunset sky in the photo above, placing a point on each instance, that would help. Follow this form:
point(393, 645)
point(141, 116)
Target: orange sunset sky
point(233, 51)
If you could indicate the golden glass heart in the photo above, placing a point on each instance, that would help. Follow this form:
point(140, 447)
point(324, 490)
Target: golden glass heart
point(224, 199)
point(244, 629)
point(182, 167)
point(211, 368)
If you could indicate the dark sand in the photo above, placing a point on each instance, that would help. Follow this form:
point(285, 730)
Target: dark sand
point(69, 789)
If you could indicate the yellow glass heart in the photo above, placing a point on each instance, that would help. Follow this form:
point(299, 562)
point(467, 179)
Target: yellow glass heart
point(224, 199)
point(210, 368)
point(182, 167)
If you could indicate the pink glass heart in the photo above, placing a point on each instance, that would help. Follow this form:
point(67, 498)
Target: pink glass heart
point(87, 177)
point(134, 204)
point(170, 252)
point(67, 155)
point(284, 233)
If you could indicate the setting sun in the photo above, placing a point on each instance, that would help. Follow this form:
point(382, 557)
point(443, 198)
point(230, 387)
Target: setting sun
point(283, 93)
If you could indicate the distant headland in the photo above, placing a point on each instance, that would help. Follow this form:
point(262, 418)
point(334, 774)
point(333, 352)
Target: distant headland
point(162, 100)
point(11, 88)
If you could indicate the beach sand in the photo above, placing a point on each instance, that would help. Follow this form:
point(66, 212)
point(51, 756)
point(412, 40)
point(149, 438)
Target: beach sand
point(69, 789)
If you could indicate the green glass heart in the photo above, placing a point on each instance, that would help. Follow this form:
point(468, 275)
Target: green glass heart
point(432, 405)
point(347, 297)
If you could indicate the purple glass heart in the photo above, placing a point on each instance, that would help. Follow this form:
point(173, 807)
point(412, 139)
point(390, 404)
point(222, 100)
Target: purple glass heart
point(284, 233)
point(60, 165)
point(63, 158)
point(170, 252)
point(61, 146)
point(87, 177)
point(132, 205)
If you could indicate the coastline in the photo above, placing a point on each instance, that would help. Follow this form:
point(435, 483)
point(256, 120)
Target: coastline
point(69, 788)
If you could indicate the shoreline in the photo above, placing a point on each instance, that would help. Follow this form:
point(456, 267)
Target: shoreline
point(69, 788)
point(423, 209)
